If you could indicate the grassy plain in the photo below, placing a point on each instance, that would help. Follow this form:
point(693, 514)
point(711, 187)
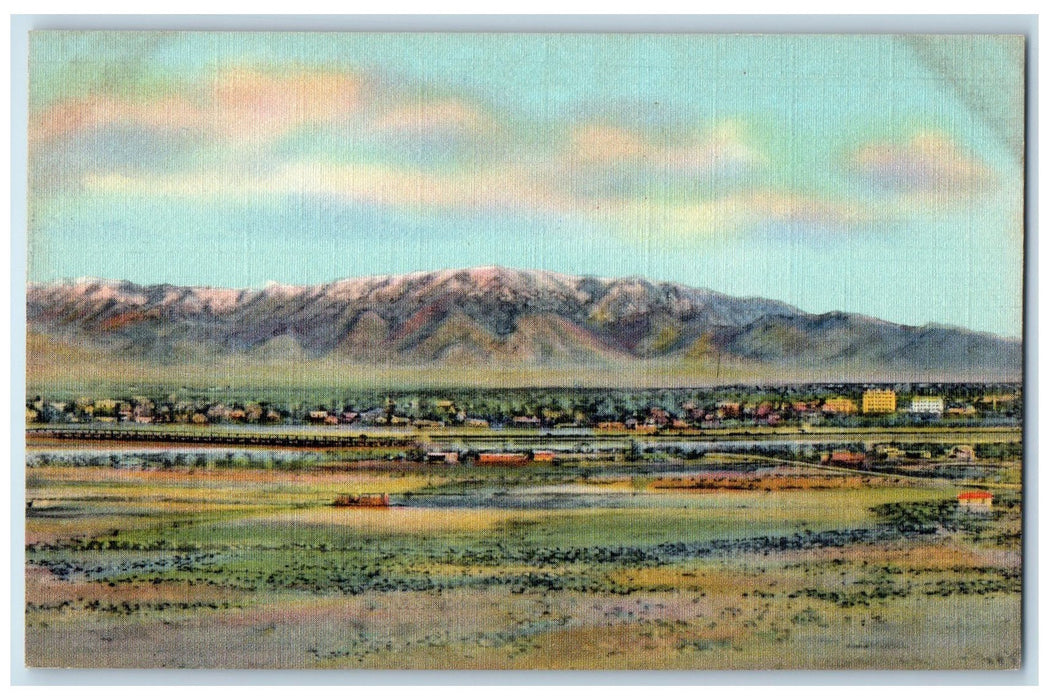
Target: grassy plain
point(514, 568)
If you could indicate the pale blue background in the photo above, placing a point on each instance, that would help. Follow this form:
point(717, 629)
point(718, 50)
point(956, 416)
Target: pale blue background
point(22, 24)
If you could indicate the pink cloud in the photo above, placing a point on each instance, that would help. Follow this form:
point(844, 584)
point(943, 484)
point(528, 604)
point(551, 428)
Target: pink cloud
point(722, 149)
point(258, 103)
point(595, 144)
point(928, 163)
point(423, 117)
point(236, 104)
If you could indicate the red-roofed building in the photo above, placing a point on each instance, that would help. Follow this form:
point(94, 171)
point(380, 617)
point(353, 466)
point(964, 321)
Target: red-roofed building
point(510, 458)
point(976, 501)
point(845, 457)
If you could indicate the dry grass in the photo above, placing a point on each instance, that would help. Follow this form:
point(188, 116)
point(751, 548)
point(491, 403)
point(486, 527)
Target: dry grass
point(739, 610)
point(396, 520)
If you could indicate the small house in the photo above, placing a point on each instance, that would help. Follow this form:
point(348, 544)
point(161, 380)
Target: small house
point(976, 501)
point(889, 452)
point(839, 404)
point(526, 422)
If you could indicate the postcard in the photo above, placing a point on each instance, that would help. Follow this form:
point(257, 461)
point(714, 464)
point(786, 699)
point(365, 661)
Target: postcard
point(524, 351)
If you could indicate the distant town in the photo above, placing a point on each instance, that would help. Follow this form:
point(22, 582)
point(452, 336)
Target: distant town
point(644, 412)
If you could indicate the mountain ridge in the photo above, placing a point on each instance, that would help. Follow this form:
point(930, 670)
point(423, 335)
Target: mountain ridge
point(494, 315)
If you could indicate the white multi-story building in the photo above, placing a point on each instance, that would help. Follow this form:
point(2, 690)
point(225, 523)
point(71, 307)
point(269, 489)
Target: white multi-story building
point(928, 405)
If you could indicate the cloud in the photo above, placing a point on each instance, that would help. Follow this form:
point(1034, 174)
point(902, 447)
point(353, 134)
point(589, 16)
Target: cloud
point(364, 183)
point(721, 149)
point(81, 115)
point(724, 150)
point(601, 161)
point(807, 209)
point(512, 184)
point(255, 103)
point(425, 117)
point(595, 144)
point(237, 104)
point(252, 135)
point(927, 164)
point(735, 213)
point(253, 119)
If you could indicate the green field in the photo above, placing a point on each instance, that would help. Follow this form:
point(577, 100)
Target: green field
point(559, 567)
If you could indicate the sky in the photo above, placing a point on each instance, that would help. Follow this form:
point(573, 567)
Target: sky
point(878, 174)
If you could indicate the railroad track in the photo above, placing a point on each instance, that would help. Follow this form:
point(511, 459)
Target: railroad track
point(219, 438)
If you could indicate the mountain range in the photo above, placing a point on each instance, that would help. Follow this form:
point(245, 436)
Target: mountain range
point(495, 316)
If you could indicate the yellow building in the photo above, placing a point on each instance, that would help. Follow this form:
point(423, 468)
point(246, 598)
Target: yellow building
point(879, 401)
point(839, 405)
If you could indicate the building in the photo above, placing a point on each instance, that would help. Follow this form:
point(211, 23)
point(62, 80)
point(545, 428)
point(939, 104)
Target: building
point(889, 452)
point(996, 399)
point(526, 422)
point(728, 409)
point(879, 401)
point(658, 416)
point(504, 458)
point(845, 457)
point(975, 501)
point(839, 404)
point(543, 456)
point(106, 405)
point(445, 457)
point(927, 405)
